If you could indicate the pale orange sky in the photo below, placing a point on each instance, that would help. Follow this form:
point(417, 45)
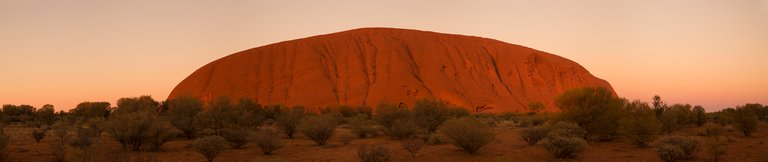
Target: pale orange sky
point(707, 52)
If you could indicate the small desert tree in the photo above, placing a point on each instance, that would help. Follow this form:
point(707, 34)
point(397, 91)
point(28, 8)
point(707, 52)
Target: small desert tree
point(640, 124)
point(319, 129)
point(468, 134)
point(699, 115)
point(210, 146)
point(183, 114)
point(429, 114)
point(745, 120)
point(658, 106)
point(595, 110)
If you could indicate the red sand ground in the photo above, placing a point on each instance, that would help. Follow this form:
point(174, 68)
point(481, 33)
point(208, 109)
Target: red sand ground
point(370, 65)
point(507, 147)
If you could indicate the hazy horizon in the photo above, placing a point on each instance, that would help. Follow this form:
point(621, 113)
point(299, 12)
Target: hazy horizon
point(699, 52)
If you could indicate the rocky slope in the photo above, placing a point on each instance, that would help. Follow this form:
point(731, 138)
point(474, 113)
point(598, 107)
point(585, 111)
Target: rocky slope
point(372, 65)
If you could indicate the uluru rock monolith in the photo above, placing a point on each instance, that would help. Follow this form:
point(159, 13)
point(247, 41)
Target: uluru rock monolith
point(372, 65)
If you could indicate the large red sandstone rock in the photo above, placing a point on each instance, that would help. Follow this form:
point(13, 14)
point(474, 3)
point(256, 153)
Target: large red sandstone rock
point(372, 65)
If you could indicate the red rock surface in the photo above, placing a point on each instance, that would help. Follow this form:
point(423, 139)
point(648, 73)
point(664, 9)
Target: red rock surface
point(371, 65)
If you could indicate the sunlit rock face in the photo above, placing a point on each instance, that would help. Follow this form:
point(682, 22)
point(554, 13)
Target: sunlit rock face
point(372, 65)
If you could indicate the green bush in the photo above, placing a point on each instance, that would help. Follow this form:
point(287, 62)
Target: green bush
point(87, 110)
point(363, 127)
point(396, 121)
point(699, 115)
point(139, 129)
point(210, 146)
point(640, 125)
point(566, 129)
point(223, 114)
point(468, 134)
point(745, 120)
point(673, 148)
point(565, 140)
point(84, 139)
point(268, 140)
point(429, 114)
point(183, 114)
point(318, 129)
point(564, 146)
point(236, 136)
point(374, 153)
point(288, 122)
point(594, 109)
point(533, 135)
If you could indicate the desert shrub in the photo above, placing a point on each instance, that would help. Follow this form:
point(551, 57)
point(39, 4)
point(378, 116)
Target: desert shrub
point(531, 120)
point(141, 128)
point(96, 124)
point(564, 146)
point(533, 135)
point(374, 153)
point(716, 150)
point(363, 127)
point(87, 110)
point(268, 140)
point(84, 138)
point(566, 129)
point(640, 125)
point(38, 134)
point(223, 114)
point(699, 115)
point(236, 136)
point(136, 104)
point(60, 130)
point(412, 145)
point(318, 129)
point(744, 120)
point(210, 146)
point(564, 140)
point(183, 114)
point(59, 153)
point(468, 134)
point(45, 115)
point(429, 114)
point(395, 121)
point(288, 122)
point(160, 133)
point(273, 111)
point(668, 122)
point(682, 113)
point(595, 110)
point(672, 148)
point(346, 138)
